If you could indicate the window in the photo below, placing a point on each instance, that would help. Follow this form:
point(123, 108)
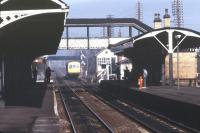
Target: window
point(70, 66)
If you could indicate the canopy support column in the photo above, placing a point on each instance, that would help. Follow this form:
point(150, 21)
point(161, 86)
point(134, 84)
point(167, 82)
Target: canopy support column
point(170, 51)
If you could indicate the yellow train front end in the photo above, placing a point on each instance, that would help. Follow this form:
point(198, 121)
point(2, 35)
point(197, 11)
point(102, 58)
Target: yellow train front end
point(73, 69)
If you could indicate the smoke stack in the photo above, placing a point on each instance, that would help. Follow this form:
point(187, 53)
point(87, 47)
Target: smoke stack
point(157, 21)
point(166, 19)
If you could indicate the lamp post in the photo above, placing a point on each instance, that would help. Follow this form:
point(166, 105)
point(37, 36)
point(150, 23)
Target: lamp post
point(177, 37)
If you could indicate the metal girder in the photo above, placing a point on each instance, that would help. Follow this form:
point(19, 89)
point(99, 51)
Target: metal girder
point(170, 31)
point(105, 22)
point(8, 17)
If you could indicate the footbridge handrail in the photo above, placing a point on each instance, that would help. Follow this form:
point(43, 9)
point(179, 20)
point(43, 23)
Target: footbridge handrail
point(99, 22)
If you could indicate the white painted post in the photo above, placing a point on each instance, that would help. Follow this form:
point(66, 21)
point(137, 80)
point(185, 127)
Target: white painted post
point(177, 37)
point(170, 51)
point(107, 71)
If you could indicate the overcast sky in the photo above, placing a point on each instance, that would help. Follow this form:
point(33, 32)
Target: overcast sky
point(126, 8)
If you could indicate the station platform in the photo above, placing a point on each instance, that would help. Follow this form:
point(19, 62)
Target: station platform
point(184, 94)
point(33, 113)
point(179, 105)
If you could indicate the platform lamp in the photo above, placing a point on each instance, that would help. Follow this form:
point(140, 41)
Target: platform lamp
point(177, 37)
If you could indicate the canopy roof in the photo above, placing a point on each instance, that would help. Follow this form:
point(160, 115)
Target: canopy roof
point(31, 27)
point(158, 41)
point(31, 4)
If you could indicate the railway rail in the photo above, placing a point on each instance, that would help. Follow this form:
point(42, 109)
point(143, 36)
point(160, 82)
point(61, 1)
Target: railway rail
point(118, 115)
point(81, 119)
point(117, 121)
point(150, 120)
point(107, 119)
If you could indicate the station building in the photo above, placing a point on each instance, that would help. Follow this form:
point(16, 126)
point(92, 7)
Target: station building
point(105, 64)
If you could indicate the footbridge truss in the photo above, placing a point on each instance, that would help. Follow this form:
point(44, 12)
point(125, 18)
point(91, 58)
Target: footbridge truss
point(94, 43)
point(105, 22)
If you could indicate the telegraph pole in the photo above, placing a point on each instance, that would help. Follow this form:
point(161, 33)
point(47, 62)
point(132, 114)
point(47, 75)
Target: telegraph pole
point(177, 11)
point(139, 12)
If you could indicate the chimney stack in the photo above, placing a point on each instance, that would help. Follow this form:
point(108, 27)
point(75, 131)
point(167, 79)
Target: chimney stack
point(166, 18)
point(157, 21)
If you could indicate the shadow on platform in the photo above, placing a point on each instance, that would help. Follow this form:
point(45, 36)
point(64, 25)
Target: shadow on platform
point(31, 97)
point(29, 110)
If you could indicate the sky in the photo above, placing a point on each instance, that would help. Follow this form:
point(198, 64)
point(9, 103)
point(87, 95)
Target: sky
point(126, 9)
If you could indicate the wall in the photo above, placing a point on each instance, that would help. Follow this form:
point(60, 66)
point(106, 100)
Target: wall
point(187, 65)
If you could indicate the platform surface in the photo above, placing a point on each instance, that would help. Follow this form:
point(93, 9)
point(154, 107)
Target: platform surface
point(179, 105)
point(184, 94)
point(34, 115)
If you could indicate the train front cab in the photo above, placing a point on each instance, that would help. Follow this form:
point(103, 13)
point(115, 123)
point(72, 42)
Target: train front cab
point(73, 69)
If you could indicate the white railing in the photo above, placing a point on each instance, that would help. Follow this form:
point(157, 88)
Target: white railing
point(101, 75)
point(82, 43)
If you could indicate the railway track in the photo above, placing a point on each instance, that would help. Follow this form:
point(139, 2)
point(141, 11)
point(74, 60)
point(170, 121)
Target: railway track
point(88, 114)
point(152, 121)
point(82, 120)
point(143, 120)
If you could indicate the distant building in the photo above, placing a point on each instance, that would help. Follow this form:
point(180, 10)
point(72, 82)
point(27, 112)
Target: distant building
point(105, 64)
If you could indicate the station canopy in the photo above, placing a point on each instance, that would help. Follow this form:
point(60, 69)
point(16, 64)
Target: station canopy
point(31, 27)
point(157, 42)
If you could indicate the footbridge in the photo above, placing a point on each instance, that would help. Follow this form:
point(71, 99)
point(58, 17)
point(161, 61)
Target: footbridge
point(28, 29)
point(106, 22)
point(89, 42)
